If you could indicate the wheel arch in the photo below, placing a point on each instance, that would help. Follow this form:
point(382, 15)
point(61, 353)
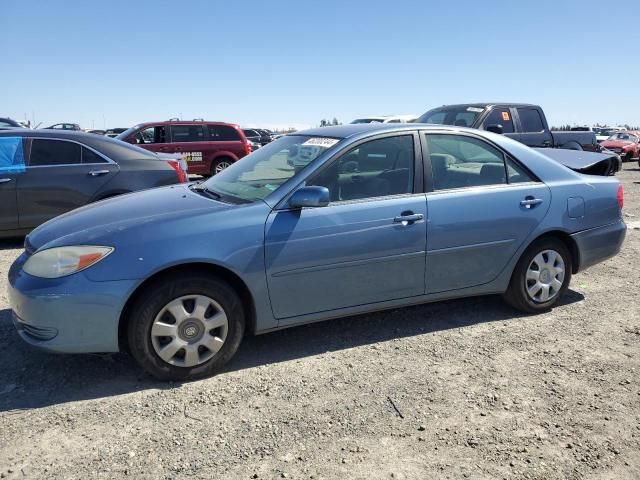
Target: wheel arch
point(194, 267)
point(568, 241)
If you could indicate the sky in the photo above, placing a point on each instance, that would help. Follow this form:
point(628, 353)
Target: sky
point(293, 63)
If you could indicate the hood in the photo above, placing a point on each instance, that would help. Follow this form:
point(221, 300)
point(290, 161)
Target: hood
point(590, 163)
point(104, 219)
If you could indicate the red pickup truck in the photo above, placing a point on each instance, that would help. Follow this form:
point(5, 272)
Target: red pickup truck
point(208, 147)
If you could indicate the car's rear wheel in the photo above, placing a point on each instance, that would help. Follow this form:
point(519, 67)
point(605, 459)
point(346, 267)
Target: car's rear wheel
point(541, 276)
point(220, 164)
point(186, 328)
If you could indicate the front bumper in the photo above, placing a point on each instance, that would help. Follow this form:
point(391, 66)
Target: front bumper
point(68, 315)
point(597, 244)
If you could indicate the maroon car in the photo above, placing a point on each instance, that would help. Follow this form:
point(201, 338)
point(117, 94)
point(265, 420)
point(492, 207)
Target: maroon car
point(625, 144)
point(208, 147)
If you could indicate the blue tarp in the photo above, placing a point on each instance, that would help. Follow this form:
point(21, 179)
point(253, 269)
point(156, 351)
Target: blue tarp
point(11, 155)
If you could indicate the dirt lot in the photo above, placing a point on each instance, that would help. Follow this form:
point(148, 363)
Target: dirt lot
point(461, 389)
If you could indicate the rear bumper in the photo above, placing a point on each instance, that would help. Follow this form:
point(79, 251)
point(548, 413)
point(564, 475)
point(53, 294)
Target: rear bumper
point(597, 244)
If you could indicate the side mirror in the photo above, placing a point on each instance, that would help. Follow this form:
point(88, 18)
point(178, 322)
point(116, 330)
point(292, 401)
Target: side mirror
point(495, 129)
point(314, 196)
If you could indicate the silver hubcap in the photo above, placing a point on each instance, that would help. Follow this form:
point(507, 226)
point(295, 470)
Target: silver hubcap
point(189, 330)
point(221, 166)
point(545, 276)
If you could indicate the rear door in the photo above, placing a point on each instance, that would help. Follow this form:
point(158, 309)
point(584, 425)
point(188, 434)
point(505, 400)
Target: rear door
point(533, 131)
point(482, 207)
point(11, 166)
point(61, 175)
point(190, 140)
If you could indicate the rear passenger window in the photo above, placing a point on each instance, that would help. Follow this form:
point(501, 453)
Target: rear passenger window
point(89, 156)
point(459, 161)
point(530, 120)
point(374, 169)
point(223, 133)
point(500, 116)
point(54, 152)
point(187, 133)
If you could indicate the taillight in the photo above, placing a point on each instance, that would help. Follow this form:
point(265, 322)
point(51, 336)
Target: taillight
point(178, 169)
point(247, 148)
point(620, 197)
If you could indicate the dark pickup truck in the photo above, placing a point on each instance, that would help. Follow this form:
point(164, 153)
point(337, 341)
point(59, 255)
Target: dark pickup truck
point(527, 124)
point(522, 122)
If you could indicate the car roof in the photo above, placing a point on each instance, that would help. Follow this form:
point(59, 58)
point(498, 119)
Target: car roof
point(487, 104)
point(185, 122)
point(353, 129)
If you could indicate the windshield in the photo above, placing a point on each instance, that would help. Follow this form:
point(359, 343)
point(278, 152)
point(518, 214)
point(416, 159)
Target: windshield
point(263, 171)
point(460, 116)
point(622, 137)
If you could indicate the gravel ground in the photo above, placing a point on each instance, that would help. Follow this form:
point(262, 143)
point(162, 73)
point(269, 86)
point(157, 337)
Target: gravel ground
point(459, 389)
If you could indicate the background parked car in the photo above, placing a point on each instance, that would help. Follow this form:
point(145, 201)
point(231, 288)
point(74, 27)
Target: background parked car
point(9, 123)
point(625, 144)
point(256, 136)
point(114, 132)
point(208, 147)
point(45, 173)
point(387, 119)
point(96, 132)
point(64, 126)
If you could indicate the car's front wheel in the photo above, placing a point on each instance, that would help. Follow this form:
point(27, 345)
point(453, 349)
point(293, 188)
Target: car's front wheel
point(186, 328)
point(541, 276)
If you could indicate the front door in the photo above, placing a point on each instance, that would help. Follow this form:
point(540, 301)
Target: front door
point(483, 207)
point(61, 175)
point(11, 166)
point(366, 246)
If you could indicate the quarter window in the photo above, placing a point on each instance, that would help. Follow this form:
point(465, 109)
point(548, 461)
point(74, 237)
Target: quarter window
point(500, 116)
point(373, 169)
point(517, 174)
point(54, 152)
point(459, 161)
point(530, 120)
point(187, 133)
point(88, 156)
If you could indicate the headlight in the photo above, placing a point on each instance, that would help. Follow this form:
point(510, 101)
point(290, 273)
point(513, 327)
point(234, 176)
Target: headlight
point(62, 261)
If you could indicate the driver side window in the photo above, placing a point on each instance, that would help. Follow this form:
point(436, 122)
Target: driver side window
point(152, 135)
point(373, 169)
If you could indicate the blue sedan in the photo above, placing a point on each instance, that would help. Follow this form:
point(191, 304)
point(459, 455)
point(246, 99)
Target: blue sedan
point(319, 224)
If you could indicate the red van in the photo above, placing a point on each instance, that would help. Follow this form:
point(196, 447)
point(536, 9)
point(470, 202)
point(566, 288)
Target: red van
point(208, 147)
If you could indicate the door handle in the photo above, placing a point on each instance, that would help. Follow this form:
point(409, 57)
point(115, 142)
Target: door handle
point(530, 202)
point(97, 173)
point(5, 180)
point(408, 218)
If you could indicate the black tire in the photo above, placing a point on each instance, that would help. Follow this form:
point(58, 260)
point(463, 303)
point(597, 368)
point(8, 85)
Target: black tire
point(156, 297)
point(517, 295)
point(628, 157)
point(220, 162)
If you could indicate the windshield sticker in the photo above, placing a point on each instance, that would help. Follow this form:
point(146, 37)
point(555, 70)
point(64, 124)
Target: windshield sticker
point(505, 116)
point(322, 142)
point(11, 155)
point(475, 109)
